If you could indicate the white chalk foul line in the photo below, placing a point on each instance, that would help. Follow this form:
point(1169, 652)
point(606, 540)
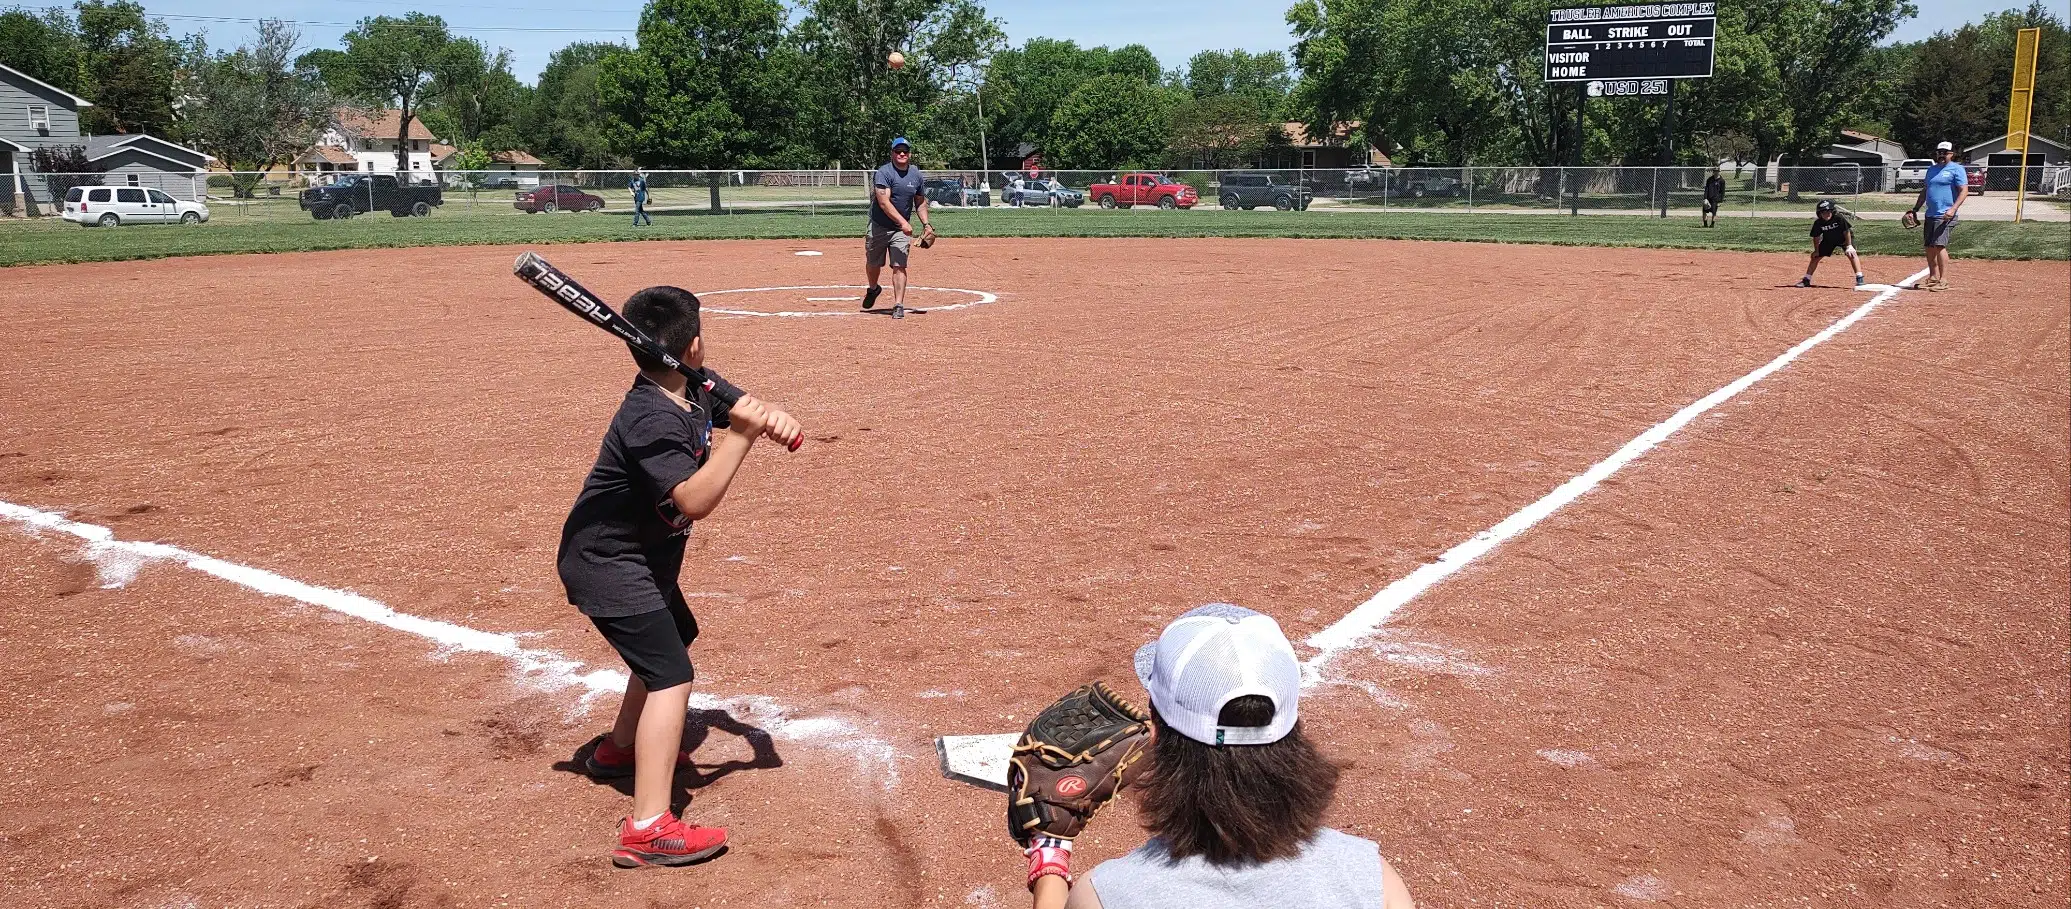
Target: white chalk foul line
point(979, 298)
point(1370, 615)
point(117, 561)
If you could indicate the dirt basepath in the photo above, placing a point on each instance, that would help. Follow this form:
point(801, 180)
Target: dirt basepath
point(1812, 651)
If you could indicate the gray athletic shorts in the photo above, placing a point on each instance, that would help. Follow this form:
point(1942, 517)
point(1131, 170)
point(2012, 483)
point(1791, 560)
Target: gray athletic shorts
point(880, 243)
point(1936, 232)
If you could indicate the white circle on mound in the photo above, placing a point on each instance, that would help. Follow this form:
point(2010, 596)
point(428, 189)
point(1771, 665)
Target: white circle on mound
point(978, 298)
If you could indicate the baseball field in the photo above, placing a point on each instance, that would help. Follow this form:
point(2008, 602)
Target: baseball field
point(1626, 576)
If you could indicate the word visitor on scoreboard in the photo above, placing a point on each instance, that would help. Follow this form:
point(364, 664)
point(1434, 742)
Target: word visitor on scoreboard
point(1637, 11)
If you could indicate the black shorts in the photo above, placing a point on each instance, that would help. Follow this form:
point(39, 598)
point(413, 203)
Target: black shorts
point(1711, 207)
point(1828, 249)
point(653, 644)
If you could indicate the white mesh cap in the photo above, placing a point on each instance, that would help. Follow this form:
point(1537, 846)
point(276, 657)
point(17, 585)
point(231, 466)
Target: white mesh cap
point(1213, 655)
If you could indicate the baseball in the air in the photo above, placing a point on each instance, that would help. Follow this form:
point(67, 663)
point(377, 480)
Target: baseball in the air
point(896, 60)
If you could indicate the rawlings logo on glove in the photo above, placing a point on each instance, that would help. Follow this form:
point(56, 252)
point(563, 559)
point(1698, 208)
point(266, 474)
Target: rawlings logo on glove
point(1073, 759)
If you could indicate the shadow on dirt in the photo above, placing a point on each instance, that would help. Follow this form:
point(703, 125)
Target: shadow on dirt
point(698, 727)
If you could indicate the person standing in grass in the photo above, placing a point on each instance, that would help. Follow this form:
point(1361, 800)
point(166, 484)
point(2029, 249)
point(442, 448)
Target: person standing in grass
point(639, 188)
point(1714, 193)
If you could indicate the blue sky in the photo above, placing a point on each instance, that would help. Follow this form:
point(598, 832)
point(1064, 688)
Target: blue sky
point(1172, 29)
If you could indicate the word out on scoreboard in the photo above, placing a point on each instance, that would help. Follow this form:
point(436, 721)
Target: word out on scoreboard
point(1645, 41)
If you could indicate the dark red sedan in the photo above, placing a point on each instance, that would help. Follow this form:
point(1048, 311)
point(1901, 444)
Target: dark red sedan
point(557, 198)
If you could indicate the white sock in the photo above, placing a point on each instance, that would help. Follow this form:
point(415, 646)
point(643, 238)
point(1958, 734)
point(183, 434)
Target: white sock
point(643, 825)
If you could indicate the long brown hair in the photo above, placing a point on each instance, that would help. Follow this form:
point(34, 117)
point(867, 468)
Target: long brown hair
point(1235, 804)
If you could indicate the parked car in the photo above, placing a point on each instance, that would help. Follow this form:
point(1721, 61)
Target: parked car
point(1912, 173)
point(1144, 189)
point(550, 199)
point(952, 191)
point(1417, 187)
point(1249, 191)
point(1365, 176)
point(500, 183)
point(109, 206)
point(357, 194)
point(1977, 173)
point(1043, 192)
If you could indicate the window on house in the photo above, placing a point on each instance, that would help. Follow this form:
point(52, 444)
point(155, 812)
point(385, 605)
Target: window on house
point(366, 145)
point(132, 179)
point(39, 116)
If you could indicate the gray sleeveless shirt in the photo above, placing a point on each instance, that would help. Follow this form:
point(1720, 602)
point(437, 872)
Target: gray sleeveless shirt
point(1335, 871)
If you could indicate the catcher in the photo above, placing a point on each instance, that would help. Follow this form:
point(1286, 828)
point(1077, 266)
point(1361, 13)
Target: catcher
point(1232, 793)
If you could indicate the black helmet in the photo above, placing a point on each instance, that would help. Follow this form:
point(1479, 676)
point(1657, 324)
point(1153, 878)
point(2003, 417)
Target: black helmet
point(1825, 205)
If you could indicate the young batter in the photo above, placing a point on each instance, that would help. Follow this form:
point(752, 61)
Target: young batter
point(1831, 233)
point(666, 461)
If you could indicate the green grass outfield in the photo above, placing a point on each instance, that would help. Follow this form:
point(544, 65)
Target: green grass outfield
point(54, 241)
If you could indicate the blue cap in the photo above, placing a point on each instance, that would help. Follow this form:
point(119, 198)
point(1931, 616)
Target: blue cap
point(901, 141)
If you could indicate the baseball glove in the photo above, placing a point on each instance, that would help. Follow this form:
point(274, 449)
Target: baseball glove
point(1073, 759)
point(1910, 219)
point(927, 236)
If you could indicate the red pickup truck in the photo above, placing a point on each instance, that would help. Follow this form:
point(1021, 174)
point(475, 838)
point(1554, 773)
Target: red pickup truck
point(1144, 189)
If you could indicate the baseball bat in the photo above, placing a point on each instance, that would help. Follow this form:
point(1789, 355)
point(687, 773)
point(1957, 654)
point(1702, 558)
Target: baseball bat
point(557, 285)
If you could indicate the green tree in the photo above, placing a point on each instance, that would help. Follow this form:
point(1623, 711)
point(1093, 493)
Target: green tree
point(407, 63)
point(254, 109)
point(858, 103)
point(1219, 131)
point(1264, 77)
point(712, 84)
point(1111, 121)
point(44, 44)
point(564, 118)
point(1823, 51)
point(131, 66)
point(1025, 86)
point(481, 102)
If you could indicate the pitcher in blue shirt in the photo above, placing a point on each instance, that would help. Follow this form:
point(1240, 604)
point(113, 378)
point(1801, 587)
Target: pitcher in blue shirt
point(1948, 184)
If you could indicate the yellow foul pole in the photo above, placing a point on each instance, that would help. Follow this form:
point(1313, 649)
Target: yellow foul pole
point(2020, 106)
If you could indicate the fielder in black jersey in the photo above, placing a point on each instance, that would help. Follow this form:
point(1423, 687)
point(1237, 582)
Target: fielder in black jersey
point(1831, 233)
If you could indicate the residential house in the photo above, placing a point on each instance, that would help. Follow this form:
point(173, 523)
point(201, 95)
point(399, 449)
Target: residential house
point(33, 114)
point(146, 160)
point(1336, 151)
point(365, 141)
point(505, 168)
point(2045, 158)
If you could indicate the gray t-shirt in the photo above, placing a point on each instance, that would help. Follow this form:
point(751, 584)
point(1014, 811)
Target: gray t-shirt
point(903, 186)
point(1335, 871)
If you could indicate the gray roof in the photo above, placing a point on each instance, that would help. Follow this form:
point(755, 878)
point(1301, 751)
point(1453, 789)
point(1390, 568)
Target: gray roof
point(100, 146)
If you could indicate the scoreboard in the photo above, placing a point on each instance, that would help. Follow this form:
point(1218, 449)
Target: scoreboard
point(1640, 41)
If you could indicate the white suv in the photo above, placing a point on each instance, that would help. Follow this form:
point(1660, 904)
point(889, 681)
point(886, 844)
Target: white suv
point(109, 206)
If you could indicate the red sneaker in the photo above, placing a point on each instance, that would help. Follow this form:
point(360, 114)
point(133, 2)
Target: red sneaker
point(666, 842)
point(609, 761)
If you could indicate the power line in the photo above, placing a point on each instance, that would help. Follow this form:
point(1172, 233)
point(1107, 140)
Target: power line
point(450, 28)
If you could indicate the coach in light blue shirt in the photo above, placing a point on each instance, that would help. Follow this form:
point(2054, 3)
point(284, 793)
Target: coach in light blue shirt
point(1948, 184)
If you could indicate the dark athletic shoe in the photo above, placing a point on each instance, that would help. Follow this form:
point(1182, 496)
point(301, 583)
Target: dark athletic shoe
point(899, 312)
point(667, 842)
point(1804, 282)
point(870, 297)
point(1859, 281)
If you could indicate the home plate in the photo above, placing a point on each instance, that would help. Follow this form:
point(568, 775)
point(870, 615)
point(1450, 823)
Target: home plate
point(980, 760)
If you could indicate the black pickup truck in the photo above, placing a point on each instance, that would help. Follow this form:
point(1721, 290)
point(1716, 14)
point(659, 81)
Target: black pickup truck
point(354, 194)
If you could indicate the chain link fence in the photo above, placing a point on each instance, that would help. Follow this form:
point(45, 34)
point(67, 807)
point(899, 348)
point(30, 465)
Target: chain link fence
point(1748, 191)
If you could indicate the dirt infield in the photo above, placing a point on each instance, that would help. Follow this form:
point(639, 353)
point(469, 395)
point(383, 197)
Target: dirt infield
point(1810, 651)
